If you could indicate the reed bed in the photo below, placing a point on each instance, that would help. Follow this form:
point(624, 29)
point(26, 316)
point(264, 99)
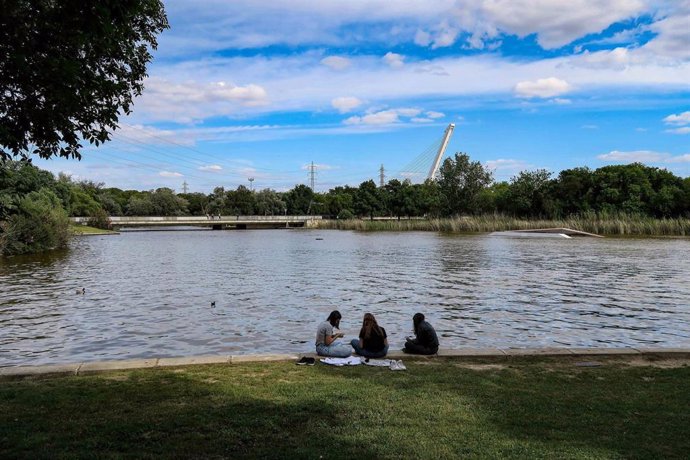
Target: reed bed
point(593, 223)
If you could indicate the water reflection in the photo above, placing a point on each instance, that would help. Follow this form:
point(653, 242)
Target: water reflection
point(151, 293)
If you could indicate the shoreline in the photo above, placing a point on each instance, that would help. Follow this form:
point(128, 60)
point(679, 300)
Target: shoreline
point(90, 367)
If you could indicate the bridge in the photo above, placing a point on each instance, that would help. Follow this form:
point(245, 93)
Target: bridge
point(215, 222)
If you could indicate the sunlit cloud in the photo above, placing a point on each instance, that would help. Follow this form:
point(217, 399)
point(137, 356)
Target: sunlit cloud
point(678, 119)
point(543, 88)
point(394, 60)
point(336, 62)
point(211, 168)
point(169, 174)
point(346, 104)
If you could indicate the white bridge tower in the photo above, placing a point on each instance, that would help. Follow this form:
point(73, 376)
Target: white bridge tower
point(441, 151)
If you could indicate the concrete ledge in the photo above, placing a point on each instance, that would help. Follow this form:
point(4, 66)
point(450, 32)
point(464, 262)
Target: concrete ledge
point(664, 351)
point(536, 351)
point(262, 358)
point(604, 351)
point(56, 369)
point(100, 366)
point(165, 362)
point(461, 352)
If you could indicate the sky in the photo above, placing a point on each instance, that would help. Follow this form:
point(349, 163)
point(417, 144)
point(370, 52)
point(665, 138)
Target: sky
point(241, 90)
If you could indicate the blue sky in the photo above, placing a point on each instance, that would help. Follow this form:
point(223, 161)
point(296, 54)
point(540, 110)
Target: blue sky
point(241, 89)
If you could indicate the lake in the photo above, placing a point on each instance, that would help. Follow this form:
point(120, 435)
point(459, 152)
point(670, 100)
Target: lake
point(150, 293)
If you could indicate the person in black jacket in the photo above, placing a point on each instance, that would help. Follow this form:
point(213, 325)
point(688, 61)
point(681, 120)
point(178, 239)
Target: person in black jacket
point(425, 341)
point(373, 341)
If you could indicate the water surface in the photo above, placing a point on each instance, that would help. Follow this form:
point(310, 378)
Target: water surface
point(150, 293)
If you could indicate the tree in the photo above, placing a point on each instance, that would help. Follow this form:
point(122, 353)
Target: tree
point(368, 200)
point(340, 201)
point(166, 203)
point(241, 201)
point(572, 191)
point(299, 200)
point(68, 68)
point(527, 193)
point(269, 202)
point(461, 181)
point(40, 224)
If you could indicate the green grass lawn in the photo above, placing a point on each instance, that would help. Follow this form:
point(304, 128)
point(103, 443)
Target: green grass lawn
point(526, 408)
point(86, 230)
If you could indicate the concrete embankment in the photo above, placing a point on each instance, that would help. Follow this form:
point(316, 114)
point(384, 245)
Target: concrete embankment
point(488, 353)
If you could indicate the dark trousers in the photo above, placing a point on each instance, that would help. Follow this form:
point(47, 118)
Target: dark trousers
point(416, 349)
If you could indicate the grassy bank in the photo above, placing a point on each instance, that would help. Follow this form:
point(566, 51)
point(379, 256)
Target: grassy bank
point(539, 408)
point(86, 230)
point(623, 225)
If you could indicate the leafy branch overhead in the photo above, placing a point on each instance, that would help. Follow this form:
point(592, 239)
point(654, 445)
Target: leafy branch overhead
point(69, 69)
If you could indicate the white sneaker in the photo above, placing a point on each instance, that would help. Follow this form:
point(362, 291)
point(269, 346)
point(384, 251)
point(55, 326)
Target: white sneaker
point(401, 366)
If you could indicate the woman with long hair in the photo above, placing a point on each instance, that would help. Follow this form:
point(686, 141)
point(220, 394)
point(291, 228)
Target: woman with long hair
point(373, 341)
point(327, 336)
point(425, 341)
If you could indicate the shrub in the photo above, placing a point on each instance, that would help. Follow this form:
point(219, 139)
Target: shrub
point(100, 219)
point(41, 224)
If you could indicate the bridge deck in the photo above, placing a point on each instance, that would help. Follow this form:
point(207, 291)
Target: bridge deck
point(204, 221)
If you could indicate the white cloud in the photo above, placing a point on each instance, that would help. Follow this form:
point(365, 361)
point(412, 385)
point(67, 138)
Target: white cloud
point(556, 22)
point(679, 119)
point(683, 130)
point(346, 104)
point(561, 101)
point(590, 126)
point(543, 87)
point(378, 118)
point(633, 156)
point(421, 120)
point(394, 60)
point(408, 112)
point(138, 134)
point(385, 117)
point(189, 101)
point(212, 168)
point(169, 174)
point(432, 114)
point(336, 62)
point(680, 159)
point(505, 168)
point(644, 156)
point(422, 38)
point(673, 33)
point(506, 165)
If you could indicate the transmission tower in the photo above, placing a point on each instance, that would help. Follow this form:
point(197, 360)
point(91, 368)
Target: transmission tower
point(382, 176)
point(312, 175)
point(184, 186)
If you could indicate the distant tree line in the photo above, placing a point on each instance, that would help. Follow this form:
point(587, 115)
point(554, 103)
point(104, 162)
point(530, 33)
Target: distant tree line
point(34, 204)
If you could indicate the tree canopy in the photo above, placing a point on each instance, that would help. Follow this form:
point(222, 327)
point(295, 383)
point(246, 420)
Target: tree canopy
point(68, 69)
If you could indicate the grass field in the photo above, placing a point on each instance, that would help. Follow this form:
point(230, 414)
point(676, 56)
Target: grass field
point(519, 408)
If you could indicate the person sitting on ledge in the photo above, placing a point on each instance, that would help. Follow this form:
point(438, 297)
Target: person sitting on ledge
point(426, 340)
point(372, 342)
point(327, 339)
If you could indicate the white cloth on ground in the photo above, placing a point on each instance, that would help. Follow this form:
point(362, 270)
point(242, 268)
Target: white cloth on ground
point(351, 361)
point(377, 362)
